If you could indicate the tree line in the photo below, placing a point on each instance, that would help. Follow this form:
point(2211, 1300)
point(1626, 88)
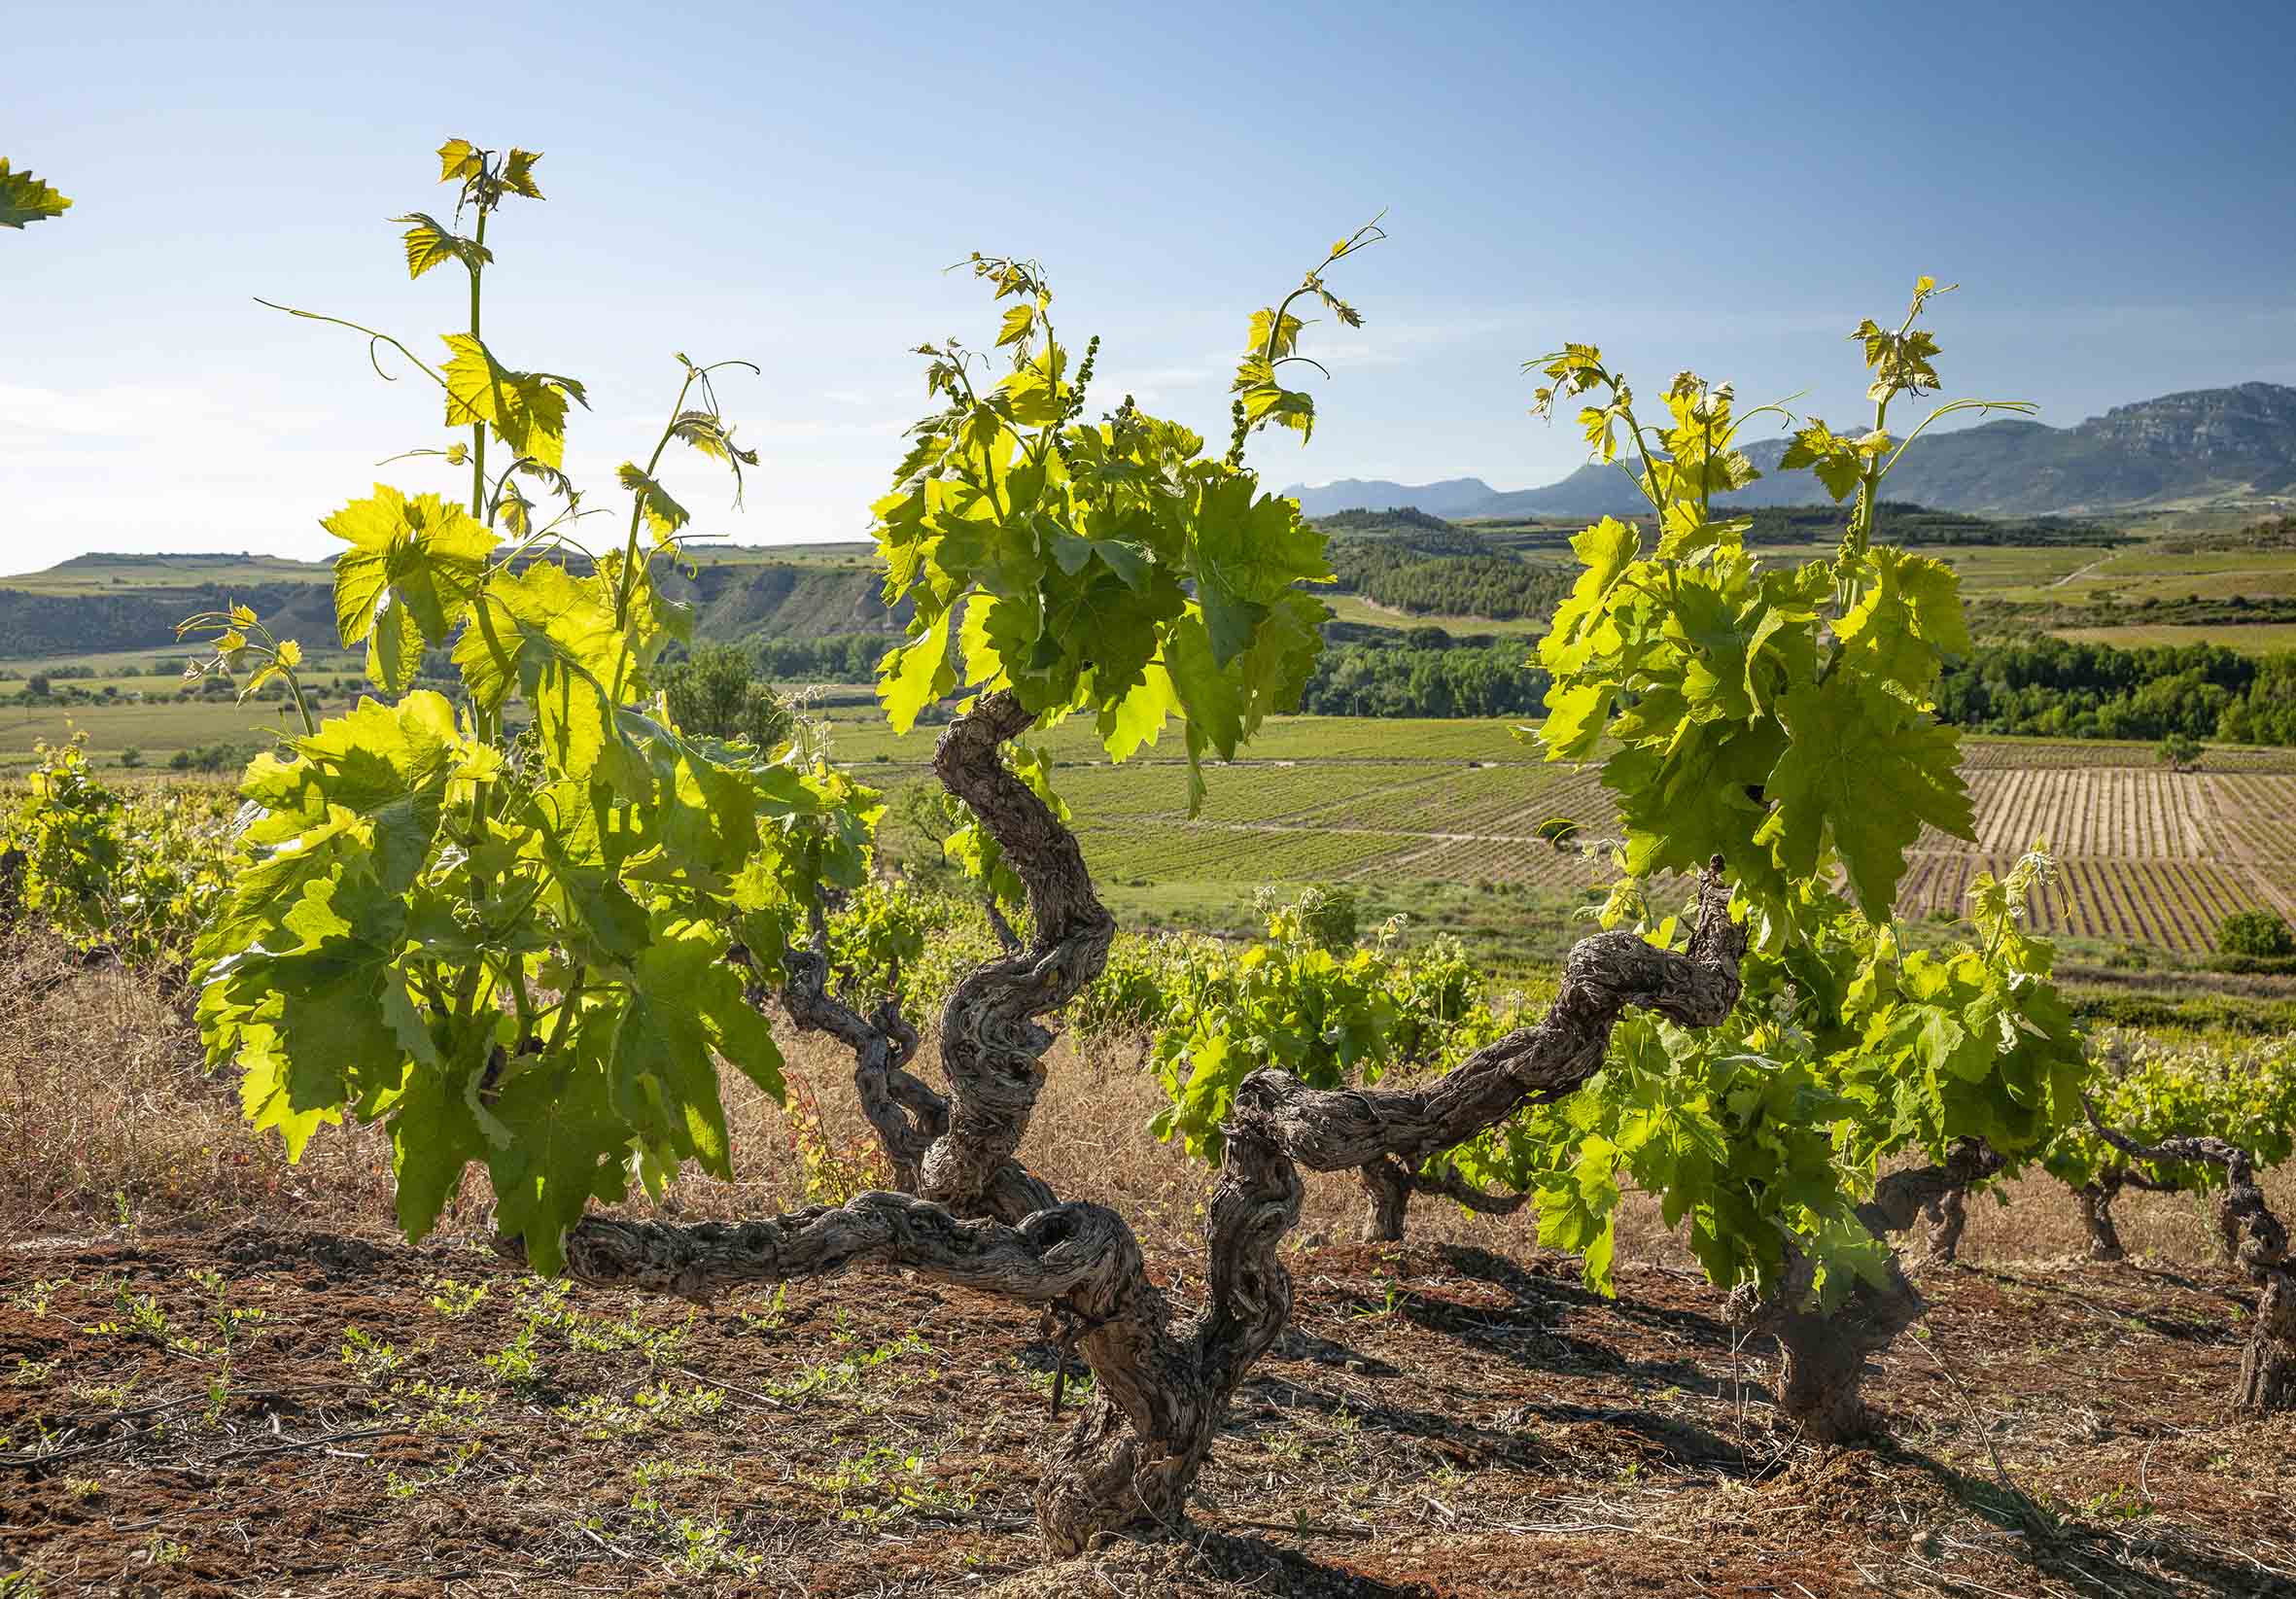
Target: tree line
point(2045, 687)
point(1404, 578)
point(2059, 690)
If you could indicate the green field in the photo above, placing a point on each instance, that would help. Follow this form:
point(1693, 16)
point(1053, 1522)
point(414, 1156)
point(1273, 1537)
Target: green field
point(1352, 608)
point(157, 728)
point(1415, 813)
point(2257, 639)
point(1439, 818)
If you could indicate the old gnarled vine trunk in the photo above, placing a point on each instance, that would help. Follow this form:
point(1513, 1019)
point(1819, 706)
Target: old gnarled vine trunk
point(986, 1224)
point(2095, 1206)
point(1949, 1219)
point(2260, 1244)
point(1823, 1355)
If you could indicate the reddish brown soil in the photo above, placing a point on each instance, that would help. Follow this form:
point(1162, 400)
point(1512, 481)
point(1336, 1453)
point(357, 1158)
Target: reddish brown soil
point(1444, 1422)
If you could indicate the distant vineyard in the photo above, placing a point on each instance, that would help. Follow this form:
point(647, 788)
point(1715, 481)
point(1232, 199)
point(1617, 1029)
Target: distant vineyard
point(1166, 852)
point(1991, 753)
point(2148, 856)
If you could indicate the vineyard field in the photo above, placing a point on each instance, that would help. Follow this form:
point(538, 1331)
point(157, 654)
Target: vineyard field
point(2148, 858)
point(2151, 857)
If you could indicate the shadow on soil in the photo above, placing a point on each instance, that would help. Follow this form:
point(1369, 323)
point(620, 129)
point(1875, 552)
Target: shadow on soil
point(2085, 1559)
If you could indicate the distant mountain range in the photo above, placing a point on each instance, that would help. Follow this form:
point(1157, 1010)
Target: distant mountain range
point(2204, 444)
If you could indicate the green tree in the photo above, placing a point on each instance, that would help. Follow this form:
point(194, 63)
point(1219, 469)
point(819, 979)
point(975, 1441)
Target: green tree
point(2178, 751)
point(2255, 931)
point(711, 693)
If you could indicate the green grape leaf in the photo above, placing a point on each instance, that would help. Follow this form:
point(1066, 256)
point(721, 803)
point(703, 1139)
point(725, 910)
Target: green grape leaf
point(430, 243)
point(1020, 321)
point(1111, 628)
point(1901, 362)
point(1211, 698)
point(459, 158)
point(1135, 719)
point(1274, 670)
point(435, 1135)
point(24, 199)
point(519, 173)
point(553, 637)
point(1909, 618)
point(360, 800)
point(302, 1014)
point(1247, 554)
point(1606, 549)
point(413, 564)
point(526, 410)
point(662, 514)
point(1866, 774)
point(916, 675)
point(568, 1145)
point(264, 1098)
point(1840, 462)
point(1072, 554)
point(684, 1002)
point(1270, 337)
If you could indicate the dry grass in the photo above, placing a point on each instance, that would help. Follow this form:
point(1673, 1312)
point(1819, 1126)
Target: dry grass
point(106, 1113)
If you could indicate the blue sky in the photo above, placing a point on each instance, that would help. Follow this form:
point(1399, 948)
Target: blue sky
point(1728, 188)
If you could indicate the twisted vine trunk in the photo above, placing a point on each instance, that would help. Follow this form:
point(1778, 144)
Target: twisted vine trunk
point(903, 1110)
point(960, 1149)
point(991, 1044)
point(2231, 1225)
point(2096, 1203)
point(1131, 1461)
point(1949, 1218)
point(1343, 1129)
point(1823, 1355)
point(1388, 1186)
point(1387, 1195)
point(2260, 1240)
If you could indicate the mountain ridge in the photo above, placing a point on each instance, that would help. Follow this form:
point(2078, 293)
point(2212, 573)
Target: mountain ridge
point(2237, 442)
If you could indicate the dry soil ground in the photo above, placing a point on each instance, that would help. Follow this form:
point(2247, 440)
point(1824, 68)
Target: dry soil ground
point(1444, 1421)
point(220, 1375)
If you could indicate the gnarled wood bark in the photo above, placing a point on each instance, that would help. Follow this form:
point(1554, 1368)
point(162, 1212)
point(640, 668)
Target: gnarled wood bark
point(1388, 1186)
point(991, 1044)
point(1132, 1461)
point(1949, 1219)
point(2096, 1203)
point(905, 1112)
point(1133, 1457)
point(1338, 1129)
point(2268, 1365)
point(1386, 1193)
point(1823, 1355)
point(2230, 1225)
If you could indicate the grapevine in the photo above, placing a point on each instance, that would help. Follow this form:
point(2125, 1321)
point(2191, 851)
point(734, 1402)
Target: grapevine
point(502, 929)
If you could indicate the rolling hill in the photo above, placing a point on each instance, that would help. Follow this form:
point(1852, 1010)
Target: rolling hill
point(2235, 444)
point(95, 603)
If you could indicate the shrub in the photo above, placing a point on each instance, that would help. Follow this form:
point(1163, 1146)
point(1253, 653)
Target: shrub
point(2255, 932)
